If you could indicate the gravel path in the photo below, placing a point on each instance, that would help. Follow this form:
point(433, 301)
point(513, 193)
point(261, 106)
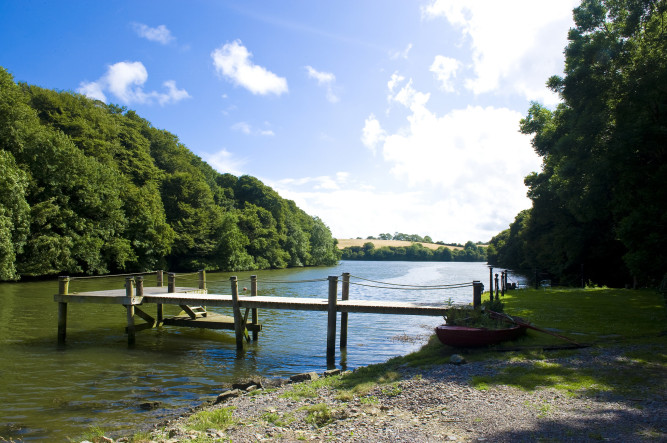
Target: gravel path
point(439, 404)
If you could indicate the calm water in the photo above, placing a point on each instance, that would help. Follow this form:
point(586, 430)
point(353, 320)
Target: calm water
point(48, 393)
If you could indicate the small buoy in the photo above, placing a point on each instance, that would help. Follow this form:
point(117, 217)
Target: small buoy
point(245, 289)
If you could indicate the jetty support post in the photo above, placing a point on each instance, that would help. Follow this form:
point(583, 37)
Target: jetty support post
point(171, 282)
point(238, 318)
point(255, 315)
point(129, 294)
point(345, 295)
point(503, 282)
point(63, 289)
point(160, 284)
point(202, 279)
point(497, 288)
point(491, 283)
point(331, 324)
point(477, 288)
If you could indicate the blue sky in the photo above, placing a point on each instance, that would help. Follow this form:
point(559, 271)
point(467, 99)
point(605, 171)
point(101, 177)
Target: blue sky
point(377, 116)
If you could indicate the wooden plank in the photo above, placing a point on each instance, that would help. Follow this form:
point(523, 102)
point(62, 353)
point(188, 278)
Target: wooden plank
point(150, 320)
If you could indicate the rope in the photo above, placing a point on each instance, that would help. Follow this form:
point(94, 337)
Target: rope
point(415, 288)
point(294, 281)
point(112, 275)
point(454, 285)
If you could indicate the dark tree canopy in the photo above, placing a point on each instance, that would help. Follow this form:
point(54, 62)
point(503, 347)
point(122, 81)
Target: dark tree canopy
point(94, 188)
point(598, 209)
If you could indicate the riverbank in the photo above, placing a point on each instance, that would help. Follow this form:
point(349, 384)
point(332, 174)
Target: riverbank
point(613, 390)
point(449, 402)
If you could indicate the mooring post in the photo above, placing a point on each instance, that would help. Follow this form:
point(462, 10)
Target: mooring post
point(503, 283)
point(331, 325)
point(160, 284)
point(129, 292)
point(160, 278)
point(345, 295)
point(238, 318)
point(202, 279)
point(255, 315)
point(491, 283)
point(497, 288)
point(171, 282)
point(477, 288)
point(63, 289)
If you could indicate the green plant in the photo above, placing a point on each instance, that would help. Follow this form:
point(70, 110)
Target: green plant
point(319, 414)
point(214, 419)
point(278, 419)
point(392, 390)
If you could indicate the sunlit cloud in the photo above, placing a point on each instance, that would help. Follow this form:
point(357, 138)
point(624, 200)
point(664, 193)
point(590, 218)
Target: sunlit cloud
point(401, 54)
point(325, 79)
point(160, 34)
point(445, 69)
point(233, 62)
point(225, 162)
point(125, 81)
point(248, 129)
point(515, 54)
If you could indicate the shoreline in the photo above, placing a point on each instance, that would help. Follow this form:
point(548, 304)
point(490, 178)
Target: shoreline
point(436, 403)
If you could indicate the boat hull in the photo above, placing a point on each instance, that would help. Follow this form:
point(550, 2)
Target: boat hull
point(465, 336)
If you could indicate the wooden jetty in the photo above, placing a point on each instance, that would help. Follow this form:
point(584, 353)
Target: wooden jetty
point(135, 298)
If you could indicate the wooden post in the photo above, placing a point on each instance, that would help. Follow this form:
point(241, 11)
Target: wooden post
point(491, 283)
point(171, 284)
point(202, 279)
point(255, 315)
point(476, 294)
point(497, 288)
point(331, 325)
point(345, 295)
point(238, 319)
point(63, 289)
point(129, 292)
point(160, 310)
point(504, 282)
point(139, 280)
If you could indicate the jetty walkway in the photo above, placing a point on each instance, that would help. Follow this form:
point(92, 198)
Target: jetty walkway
point(194, 300)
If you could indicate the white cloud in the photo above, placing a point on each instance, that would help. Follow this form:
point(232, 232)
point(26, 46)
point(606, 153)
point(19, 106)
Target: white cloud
point(160, 34)
point(223, 161)
point(372, 134)
point(125, 81)
point(247, 129)
point(401, 54)
point(516, 45)
point(326, 79)
point(445, 69)
point(232, 61)
point(92, 90)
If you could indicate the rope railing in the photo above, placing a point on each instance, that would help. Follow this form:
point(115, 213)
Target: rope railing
point(415, 288)
point(450, 286)
point(88, 277)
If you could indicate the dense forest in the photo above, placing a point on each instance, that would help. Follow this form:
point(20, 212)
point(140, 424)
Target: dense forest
point(599, 204)
point(414, 252)
point(91, 188)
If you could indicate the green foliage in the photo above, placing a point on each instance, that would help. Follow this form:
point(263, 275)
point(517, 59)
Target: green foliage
point(220, 419)
point(94, 188)
point(598, 203)
point(415, 252)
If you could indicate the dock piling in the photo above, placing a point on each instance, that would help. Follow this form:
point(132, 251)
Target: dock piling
point(476, 294)
point(255, 315)
point(202, 279)
point(238, 319)
point(345, 295)
point(331, 324)
point(63, 289)
point(129, 293)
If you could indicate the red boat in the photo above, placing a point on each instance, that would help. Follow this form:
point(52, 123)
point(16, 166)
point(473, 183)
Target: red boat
point(465, 336)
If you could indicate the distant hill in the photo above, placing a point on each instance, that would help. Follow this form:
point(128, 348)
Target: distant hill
point(347, 242)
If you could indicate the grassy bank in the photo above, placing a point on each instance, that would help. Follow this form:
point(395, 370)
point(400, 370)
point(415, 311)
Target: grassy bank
point(633, 322)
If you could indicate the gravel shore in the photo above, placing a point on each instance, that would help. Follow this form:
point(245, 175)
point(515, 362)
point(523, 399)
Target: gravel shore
point(439, 403)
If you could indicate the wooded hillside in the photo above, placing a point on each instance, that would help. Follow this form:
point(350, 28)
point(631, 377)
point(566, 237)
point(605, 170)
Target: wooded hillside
point(599, 203)
point(94, 188)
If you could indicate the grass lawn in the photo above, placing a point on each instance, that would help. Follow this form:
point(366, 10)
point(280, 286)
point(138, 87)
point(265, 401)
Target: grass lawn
point(599, 318)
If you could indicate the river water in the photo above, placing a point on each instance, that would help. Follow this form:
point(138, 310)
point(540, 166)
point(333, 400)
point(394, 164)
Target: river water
point(95, 380)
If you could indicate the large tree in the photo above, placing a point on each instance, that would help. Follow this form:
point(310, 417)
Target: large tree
point(598, 203)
